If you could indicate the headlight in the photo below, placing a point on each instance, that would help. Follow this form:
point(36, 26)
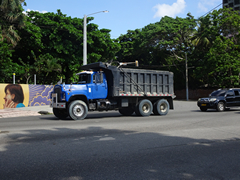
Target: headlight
point(199, 99)
point(212, 99)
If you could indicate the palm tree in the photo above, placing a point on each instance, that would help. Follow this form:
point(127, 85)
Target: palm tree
point(201, 37)
point(11, 16)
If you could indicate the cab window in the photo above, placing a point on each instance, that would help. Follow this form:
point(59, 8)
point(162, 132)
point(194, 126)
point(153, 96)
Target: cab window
point(84, 79)
point(96, 78)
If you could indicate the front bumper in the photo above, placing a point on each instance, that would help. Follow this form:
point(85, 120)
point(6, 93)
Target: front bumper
point(55, 104)
point(207, 104)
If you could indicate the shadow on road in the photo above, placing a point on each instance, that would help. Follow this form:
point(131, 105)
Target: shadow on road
point(97, 153)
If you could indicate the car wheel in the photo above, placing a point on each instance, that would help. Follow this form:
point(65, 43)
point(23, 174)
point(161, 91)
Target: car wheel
point(161, 107)
point(78, 110)
point(220, 107)
point(126, 111)
point(203, 109)
point(144, 108)
point(60, 113)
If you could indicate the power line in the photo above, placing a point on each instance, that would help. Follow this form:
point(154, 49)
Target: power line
point(210, 10)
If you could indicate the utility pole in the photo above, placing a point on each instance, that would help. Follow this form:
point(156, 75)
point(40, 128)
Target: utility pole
point(186, 76)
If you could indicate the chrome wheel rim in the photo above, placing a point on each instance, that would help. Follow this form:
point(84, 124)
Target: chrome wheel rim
point(146, 108)
point(163, 107)
point(221, 106)
point(78, 110)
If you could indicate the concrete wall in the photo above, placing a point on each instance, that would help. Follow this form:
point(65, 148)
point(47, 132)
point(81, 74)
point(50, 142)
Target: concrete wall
point(38, 95)
point(31, 95)
point(193, 94)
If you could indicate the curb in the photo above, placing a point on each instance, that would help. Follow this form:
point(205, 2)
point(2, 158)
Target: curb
point(8, 114)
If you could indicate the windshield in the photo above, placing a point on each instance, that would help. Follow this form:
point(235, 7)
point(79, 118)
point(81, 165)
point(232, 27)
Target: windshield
point(84, 79)
point(218, 93)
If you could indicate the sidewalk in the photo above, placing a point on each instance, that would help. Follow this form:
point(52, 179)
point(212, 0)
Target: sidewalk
point(25, 111)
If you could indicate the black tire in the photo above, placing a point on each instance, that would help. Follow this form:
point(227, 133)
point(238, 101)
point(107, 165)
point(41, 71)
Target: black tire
point(144, 108)
point(78, 110)
point(204, 109)
point(161, 107)
point(60, 113)
point(220, 106)
point(126, 111)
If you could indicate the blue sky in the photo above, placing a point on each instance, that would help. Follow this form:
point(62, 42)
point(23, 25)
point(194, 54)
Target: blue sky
point(124, 15)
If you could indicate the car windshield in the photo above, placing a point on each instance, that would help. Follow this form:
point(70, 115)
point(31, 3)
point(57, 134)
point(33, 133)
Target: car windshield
point(218, 93)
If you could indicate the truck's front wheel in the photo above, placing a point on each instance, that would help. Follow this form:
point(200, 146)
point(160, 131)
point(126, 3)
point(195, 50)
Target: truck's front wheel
point(78, 110)
point(60, 113)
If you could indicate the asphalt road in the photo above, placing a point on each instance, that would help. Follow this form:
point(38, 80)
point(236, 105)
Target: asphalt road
point(185, 144)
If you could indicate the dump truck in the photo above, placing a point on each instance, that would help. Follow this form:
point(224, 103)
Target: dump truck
point(102, 86)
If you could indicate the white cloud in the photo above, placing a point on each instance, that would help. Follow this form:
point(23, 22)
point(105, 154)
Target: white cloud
point(25, 12)
point(206, 5)
point(170, 10)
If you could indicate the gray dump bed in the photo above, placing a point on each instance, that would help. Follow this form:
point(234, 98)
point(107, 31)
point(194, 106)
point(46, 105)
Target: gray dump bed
point(139, 82)
point(134, 82)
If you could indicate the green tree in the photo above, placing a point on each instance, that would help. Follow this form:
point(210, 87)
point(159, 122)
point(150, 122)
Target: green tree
point(11, 17)
point(130, 46)
point(161, 45)
point(212, 62)
point(44, 66)
point(224, 63)
point(62, 38)
point(201, 37)
point(6, 64)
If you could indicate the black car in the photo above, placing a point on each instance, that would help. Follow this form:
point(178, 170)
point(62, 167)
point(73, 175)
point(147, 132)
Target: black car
point(220, 100)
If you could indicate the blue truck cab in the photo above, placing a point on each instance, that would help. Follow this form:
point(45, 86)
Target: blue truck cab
point(103, 87)
point(91, 85)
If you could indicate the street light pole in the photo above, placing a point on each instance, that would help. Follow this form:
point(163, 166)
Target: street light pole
point(85, 40)
point(85, 36)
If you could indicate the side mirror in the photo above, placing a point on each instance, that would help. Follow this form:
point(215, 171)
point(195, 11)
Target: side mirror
point(94, 79)
point(101, 77)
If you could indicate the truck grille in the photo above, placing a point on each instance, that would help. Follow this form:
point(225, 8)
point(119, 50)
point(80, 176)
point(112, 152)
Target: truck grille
point(58, 91)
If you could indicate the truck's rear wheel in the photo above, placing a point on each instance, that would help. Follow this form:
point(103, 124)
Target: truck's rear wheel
point(126, 111)
point(78, 110)
point(60, 113)
point(144, 108)
point(161, 107)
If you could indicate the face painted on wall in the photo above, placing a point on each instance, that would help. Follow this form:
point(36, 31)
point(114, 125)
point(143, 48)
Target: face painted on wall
point(9, 100)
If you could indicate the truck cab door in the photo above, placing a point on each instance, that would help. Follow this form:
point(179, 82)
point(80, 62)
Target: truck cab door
point(99, 89)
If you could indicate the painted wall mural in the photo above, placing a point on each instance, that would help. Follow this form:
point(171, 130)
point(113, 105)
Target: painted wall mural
point(24, 95)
